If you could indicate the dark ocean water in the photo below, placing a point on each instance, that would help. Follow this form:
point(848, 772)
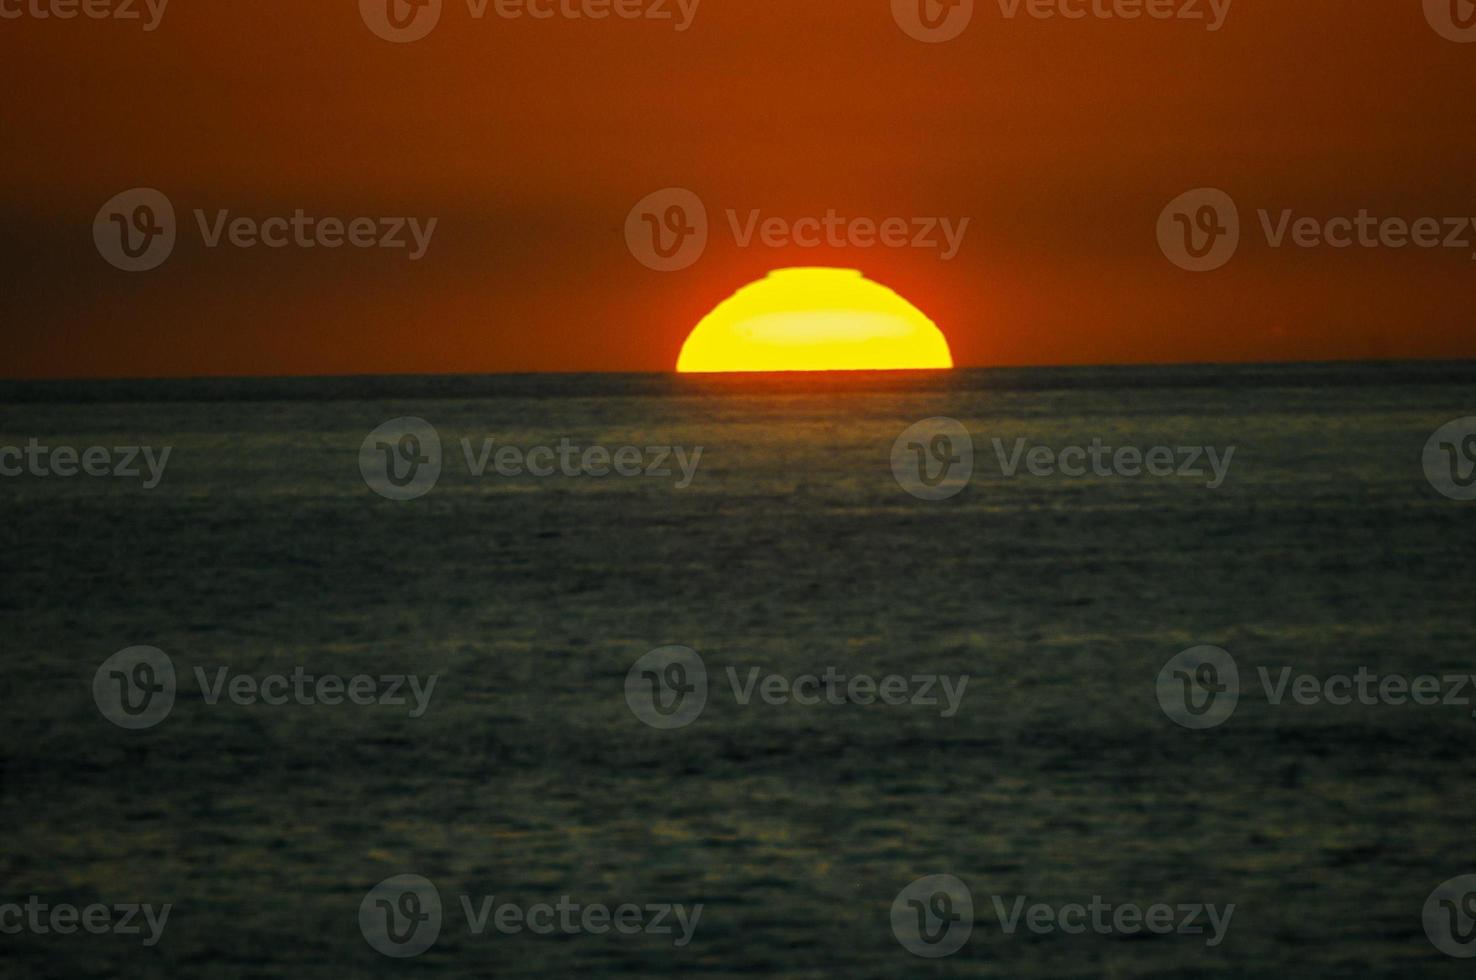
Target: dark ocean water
point(794, 549)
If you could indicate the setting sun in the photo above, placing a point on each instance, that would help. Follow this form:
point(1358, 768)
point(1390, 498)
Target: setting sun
point(814, 320)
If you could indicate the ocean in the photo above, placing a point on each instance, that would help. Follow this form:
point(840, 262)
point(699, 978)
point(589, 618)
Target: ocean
point(728, 684)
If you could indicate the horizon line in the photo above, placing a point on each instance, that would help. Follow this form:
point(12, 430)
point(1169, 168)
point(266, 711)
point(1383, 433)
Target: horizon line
point(730, 375)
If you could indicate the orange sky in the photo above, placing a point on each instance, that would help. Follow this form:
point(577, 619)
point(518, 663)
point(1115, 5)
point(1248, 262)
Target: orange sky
point(530, 141)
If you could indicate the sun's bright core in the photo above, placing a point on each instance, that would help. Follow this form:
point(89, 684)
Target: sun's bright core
point(814, 320)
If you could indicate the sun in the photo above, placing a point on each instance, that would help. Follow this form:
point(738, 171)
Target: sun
point(814, 320)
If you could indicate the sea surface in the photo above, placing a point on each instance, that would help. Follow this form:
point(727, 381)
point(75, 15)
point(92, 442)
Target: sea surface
point(793, 549)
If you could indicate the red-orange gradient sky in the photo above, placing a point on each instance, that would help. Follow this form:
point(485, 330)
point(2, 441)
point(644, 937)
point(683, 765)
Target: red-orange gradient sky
point(530, 140)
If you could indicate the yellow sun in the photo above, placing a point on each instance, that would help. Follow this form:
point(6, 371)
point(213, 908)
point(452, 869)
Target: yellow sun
point(814, 320)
